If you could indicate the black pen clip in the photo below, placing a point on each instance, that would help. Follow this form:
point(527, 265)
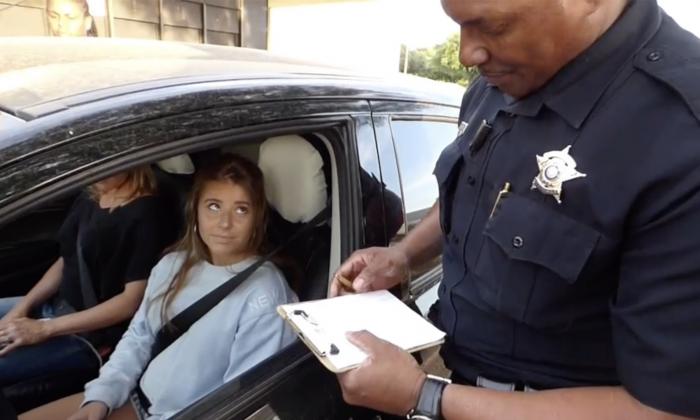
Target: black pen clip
point(480, 137)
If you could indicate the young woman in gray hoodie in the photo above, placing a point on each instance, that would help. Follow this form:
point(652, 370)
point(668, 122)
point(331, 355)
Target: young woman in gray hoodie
point(226, 218)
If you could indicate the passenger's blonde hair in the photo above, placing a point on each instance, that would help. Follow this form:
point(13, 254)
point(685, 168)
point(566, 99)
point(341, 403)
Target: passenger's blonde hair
point(140, 181)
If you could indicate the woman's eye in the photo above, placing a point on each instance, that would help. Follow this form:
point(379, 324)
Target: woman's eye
point(213, 207)
point(241, 210)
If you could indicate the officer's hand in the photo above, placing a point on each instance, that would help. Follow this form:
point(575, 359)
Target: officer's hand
point(371, 269)
point(389, 380)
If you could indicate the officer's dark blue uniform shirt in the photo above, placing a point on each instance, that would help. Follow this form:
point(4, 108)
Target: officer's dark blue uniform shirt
point(604, 287)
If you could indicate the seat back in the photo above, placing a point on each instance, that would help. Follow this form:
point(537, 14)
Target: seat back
point(175, 177)
point(296, 174)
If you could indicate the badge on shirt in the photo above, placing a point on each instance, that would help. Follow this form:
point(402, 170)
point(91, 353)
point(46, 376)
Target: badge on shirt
point(556, 167)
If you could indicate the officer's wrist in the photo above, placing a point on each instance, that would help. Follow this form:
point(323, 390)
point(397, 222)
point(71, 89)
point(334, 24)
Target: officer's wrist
point(429, 403)
point(415, 393)
point(402, 248)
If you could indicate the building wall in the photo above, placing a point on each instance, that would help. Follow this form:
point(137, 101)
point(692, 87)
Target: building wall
point(224, 22)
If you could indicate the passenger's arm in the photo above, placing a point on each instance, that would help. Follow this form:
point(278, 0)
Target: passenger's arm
point(119, 375)
point(26, 331)
point(110, 312)
point(260, 332)
point(382, 268)
point(40, 293)
point(256, 339)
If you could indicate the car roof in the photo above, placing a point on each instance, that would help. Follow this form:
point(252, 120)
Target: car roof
point(44, 70)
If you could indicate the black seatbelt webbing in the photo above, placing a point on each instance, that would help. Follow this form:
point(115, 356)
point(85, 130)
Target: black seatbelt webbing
point(182, 322)
point(86, 286)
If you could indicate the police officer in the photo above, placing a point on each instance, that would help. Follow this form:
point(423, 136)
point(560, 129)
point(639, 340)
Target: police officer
point(568, 221)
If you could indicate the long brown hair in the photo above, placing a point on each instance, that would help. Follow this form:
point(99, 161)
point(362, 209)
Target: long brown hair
point(226, 167)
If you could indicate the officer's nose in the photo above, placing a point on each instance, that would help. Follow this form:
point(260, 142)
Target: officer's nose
point(471, 51)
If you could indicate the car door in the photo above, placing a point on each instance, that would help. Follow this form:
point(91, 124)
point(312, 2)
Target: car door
point(28, 248)
point(292, 383)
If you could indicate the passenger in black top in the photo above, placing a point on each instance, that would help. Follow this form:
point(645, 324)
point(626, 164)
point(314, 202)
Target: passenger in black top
point(83, 307)
point(568, 222)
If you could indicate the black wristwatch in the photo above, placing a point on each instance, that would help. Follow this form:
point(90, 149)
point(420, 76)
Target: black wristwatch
point(429, 401)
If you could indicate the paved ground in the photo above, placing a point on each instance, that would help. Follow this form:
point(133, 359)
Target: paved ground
point(433, 364)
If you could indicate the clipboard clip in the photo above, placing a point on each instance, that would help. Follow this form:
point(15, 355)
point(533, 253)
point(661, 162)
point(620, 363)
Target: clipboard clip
point(332, 348)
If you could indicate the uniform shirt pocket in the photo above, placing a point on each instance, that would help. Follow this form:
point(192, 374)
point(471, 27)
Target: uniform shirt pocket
point(529, 248)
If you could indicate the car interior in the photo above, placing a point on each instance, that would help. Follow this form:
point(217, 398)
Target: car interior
point(301, 181)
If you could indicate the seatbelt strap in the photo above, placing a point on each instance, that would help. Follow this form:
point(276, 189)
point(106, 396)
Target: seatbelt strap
point(87, 288)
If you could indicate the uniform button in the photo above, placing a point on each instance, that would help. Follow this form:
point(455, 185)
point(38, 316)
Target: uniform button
point(471, 180)
point(654, 56)
point(518, 242)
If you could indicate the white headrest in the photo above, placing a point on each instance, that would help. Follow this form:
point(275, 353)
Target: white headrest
point(294, 180)
point(177, 165)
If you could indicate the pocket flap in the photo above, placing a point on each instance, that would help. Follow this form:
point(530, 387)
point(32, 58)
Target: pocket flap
point(531, 231)
point(447, 161)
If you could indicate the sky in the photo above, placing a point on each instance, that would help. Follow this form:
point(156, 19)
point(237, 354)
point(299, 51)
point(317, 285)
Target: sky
point(425, 24)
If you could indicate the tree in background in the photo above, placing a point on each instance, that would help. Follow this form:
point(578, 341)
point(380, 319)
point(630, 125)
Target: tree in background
point(440, 62)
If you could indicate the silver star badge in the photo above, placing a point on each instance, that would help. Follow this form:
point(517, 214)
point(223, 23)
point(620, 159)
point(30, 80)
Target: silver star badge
point(556, 167)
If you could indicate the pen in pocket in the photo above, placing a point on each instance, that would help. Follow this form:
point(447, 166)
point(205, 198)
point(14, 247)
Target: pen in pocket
point(499, 197)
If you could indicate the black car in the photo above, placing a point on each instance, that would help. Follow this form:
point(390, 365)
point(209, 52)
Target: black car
point(73, 111)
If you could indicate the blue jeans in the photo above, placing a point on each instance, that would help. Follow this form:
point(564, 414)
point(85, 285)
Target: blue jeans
point(56, 356)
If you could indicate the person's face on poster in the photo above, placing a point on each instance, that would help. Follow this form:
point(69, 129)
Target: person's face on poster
point(68, 18)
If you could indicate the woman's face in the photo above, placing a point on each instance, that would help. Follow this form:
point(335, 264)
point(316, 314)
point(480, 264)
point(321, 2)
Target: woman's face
point(112, 183)
point(225, 221)
point(68, 18)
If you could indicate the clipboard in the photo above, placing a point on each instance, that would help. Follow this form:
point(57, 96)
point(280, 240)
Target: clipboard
point(322, 324)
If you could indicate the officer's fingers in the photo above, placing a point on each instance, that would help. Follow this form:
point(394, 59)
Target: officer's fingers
point(369, 343)
point(373, 277)
point(335, 288)
point(353, 265)
point(350, 386)
point(340, 286)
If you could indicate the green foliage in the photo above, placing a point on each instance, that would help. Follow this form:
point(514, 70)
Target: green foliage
point(440, 62)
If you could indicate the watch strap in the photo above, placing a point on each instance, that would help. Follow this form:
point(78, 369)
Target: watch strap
point(430, 399)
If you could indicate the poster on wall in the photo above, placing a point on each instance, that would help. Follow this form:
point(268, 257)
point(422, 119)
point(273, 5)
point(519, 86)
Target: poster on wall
point(190, 21)
point(52, 18)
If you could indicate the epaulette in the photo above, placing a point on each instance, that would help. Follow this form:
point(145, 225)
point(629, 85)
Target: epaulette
point(673, 58)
